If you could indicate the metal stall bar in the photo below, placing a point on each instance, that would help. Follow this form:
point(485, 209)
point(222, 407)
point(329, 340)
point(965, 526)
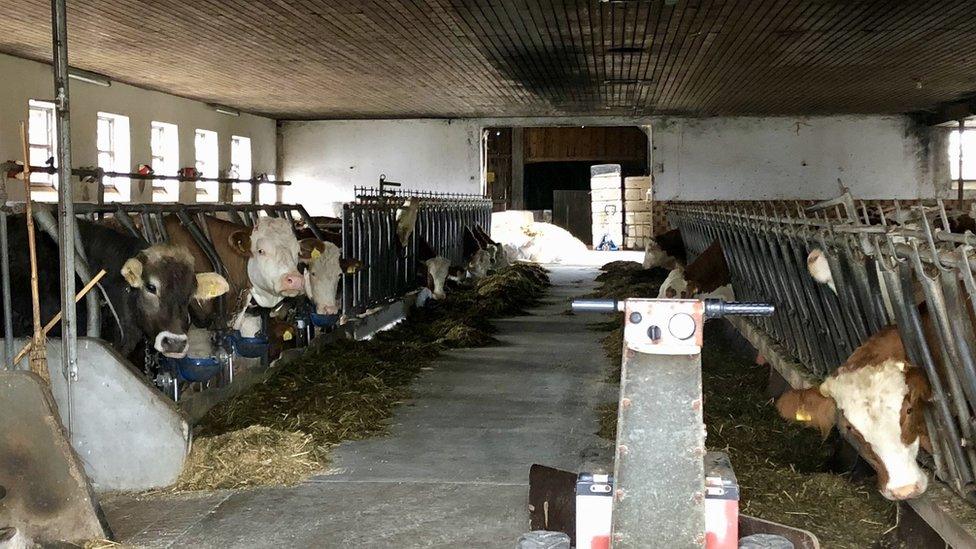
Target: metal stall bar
point(66, 214)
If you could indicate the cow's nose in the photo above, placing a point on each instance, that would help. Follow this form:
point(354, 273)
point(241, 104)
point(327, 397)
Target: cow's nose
point(172, 345)
point(292, 282)
point(908, 491)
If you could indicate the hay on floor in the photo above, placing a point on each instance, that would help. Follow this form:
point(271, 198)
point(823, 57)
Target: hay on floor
point(253, 456)
point(286, 425)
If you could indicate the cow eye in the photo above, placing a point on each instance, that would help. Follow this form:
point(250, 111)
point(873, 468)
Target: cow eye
point(151, 288)
point(260, 252)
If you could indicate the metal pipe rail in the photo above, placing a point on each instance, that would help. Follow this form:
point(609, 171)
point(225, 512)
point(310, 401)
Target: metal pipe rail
point(370, 194)
point(882, 273)
point(99, 173)
point(369, 234)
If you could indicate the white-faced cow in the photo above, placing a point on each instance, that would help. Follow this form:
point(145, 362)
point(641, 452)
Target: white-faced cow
point(324, 267)
point(150, 287)
point(261, 262)
point(879, 398)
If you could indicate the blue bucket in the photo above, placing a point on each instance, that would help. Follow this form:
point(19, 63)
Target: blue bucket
point(193, 368)
point(324, 321)
point(249, 347)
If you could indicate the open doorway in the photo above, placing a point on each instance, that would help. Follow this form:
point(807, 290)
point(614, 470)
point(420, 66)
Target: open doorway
point(547, 170)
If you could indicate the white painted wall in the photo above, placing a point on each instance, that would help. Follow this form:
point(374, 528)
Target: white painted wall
point(326, 159)
point(26, 80)
point(748, 158)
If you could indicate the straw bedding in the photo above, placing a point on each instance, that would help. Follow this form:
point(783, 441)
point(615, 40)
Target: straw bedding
point(280, 431)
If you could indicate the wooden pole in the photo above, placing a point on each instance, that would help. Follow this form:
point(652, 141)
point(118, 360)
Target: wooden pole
point(38, 353)
point(57, 318)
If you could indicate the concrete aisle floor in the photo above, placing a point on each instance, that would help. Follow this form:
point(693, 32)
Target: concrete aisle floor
point(453, 472)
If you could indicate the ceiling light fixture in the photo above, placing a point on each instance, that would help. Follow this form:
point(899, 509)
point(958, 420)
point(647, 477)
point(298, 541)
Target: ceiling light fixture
point(89, 77)
point(226, 110)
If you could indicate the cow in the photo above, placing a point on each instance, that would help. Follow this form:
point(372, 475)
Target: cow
point(432, 272)
point(323, 269)
point(477, 260)
point(879, 399)
point(149, 288)
point(707, 274)
point(261, 263)
point(498, 258)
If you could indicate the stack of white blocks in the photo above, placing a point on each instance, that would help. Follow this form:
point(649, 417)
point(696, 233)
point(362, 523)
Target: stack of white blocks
point(607, 203)
point(638, 218)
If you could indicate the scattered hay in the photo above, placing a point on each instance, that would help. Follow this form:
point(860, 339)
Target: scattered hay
point(253, 456)
point(623, 279)
point(286, 425)
point(101, 544)
point(781, 467)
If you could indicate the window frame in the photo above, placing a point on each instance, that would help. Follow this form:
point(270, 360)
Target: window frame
point(168, 152)
point(241, 192)
point(118, 152)
point(44, 186)
point(206, 191)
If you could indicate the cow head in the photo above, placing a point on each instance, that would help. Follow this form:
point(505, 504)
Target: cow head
point(479, 264)
point(881, 406)
point(161, 285)
point(323, 271)
point(406, 218)
point(675, 286)
point(437, 271)
point(272, 265)
point(819, 268)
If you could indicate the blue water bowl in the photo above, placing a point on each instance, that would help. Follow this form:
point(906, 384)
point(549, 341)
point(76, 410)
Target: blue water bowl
point(249, 347)
point(324, 321)
point(193, 368)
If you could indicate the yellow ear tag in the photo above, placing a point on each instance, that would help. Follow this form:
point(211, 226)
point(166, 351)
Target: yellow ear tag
point(802, 415)
point(315, 253)
point(287, 335)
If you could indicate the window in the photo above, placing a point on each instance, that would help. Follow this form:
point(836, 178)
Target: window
point(268, 193)
point(205, 144)
point(164, 141)
point(968, 158)
point(112, 142)
point(240, 167)
point(42, 140)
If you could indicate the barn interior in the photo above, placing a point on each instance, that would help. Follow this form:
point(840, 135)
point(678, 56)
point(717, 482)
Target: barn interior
point(430, 273)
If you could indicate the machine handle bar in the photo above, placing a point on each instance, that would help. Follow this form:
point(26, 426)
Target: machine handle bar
point(714, 308)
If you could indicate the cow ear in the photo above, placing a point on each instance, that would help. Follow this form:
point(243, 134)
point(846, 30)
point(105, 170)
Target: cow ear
point(310, 248)
point(132, 272)
point(809, 407)
point(240, 242)
point(350, 264)
point(210, 285)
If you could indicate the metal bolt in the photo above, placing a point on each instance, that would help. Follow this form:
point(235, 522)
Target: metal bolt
point(700, 539)
point(619, 494)
point(698, 498)
point(635, 317)
point(654, 333)
point(623, 449)
point(696, 404)
point(625, 403)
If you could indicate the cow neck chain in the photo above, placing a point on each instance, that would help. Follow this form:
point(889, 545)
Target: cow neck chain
point(149, 357)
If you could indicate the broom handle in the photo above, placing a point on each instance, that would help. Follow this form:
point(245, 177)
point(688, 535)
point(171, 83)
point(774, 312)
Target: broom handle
point(38, 361)
point(57, 318)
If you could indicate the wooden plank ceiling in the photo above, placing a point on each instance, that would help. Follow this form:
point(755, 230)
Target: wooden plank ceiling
point(461, 58)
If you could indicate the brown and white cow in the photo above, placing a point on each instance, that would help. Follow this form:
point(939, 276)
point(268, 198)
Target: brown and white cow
point(708, 274)
point(879, 399)
point(261, 263)
point(324, 267)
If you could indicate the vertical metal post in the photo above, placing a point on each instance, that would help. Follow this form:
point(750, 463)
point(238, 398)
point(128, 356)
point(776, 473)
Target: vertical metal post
point(959, 183)
point(658, 470)
point(8, 329)
point(66, 214)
